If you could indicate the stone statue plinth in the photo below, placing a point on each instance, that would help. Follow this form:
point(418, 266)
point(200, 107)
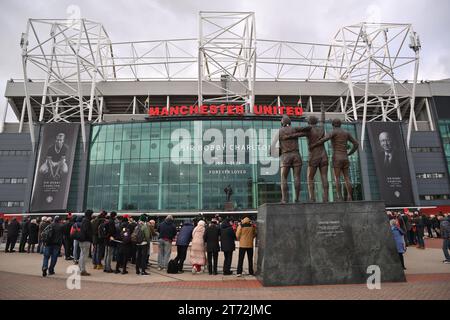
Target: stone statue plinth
point(325, 244)
point(228, 206)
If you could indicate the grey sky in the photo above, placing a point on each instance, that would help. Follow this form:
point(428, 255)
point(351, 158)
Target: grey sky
point(296, 20)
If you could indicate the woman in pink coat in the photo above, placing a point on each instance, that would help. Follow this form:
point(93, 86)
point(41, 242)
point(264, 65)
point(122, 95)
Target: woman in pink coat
point(198, 257)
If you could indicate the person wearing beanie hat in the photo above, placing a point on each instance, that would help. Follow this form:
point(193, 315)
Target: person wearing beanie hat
point(132, 224)
point(167, 231)
point(183, 239)
point(52, 247)
point(142, 247)
point(97, 242)
point(110, 244)
point(246, 233)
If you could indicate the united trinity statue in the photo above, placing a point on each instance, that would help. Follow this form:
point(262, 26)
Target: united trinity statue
point(290, 157)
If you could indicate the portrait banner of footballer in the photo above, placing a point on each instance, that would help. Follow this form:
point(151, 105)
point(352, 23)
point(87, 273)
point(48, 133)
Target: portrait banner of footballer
point(54, 167)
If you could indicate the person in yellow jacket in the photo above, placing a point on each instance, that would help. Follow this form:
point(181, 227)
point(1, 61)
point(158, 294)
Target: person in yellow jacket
point(246, 234)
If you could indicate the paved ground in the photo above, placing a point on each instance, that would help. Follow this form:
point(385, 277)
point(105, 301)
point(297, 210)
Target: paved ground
point(427, 278)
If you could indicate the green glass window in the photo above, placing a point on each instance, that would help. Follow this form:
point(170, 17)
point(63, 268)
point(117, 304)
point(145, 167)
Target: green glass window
point(146, 167)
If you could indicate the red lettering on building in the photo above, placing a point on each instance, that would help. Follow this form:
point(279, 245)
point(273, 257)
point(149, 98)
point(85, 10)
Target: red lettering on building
point(193, 110)
point(184, 110)
point(204, 110)
point(153, 111)
point(213, 110)
point(290, 111)
point(268, 110)
point(240, 110)
point(223, 110)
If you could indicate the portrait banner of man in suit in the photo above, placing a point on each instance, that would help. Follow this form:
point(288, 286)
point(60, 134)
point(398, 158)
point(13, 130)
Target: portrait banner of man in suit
point(391, 164)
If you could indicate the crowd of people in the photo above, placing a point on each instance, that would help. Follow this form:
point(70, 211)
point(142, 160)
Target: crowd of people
point(107, 238)
point(410, 228)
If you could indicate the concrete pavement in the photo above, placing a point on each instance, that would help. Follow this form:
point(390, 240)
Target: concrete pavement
point(20, 278)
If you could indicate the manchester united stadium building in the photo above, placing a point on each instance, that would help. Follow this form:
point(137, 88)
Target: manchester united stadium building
point(165, 126)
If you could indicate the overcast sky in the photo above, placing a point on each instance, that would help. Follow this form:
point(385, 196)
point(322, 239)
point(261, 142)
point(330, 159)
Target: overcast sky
point(296, 20)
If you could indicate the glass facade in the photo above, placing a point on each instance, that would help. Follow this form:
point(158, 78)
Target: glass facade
point(444, 128)
point(173, 166)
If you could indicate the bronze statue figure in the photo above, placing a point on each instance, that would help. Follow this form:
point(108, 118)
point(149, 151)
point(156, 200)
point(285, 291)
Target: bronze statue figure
point(290, 157)
point(228, 191)
point(318, 158)
point(339, 139)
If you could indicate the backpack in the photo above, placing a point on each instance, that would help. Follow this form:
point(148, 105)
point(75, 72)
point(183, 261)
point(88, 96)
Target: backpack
point(138, 235)
point(75, 231)
point(125, 235)
point(103, 230)
point(47, 234)
point(172, 267)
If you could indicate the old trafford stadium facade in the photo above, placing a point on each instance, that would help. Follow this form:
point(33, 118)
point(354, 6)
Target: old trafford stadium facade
point(188, 126)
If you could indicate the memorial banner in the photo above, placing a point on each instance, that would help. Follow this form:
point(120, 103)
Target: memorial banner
point(391, 164)
point(54, 167)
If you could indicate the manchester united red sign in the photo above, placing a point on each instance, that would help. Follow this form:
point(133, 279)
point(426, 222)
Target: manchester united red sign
point(223, 110)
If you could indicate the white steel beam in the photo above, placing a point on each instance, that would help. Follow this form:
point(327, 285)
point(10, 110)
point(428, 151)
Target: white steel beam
point(22, 115)
point(3, 117)
point(430, 118)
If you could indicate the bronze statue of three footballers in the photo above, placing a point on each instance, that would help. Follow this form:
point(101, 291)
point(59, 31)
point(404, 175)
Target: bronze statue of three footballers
point(318, 158)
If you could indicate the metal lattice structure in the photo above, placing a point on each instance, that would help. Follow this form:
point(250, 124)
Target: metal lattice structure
point(370, 61)
point(367, 54)
point(227, 56)
point(73, 55)
point(165, 60)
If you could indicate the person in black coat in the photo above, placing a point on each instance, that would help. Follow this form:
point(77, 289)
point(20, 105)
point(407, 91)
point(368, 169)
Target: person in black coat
point(67, 239)
point(24, 238)
point(110, 244)
point(167, 231)
point(211, 237)
point(420, 229)
point(124, 246)
point(228, 245)
point(436, 226)
point(13, 232)
point(428, 225)
point(184, 237)
point(1, 229)
point(33, 230)
point(132, 256)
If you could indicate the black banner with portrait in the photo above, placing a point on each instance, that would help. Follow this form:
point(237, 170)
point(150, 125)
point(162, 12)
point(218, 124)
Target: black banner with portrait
point(391, 164)
point(54, 167)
